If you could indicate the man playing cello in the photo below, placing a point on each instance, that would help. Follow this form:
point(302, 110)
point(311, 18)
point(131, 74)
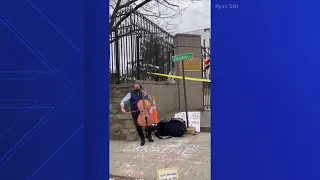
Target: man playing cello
point(134, 96)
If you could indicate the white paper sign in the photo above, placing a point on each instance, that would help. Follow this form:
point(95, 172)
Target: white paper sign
point(168, 174)
point(193, 117)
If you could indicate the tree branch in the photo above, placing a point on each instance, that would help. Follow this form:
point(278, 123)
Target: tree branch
point(112, 28)
point(127, 4)
point(115, 11)
point(170, 3)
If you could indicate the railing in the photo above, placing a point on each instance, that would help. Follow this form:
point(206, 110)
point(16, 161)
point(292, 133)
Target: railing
point(206, 75)
point(137, 47)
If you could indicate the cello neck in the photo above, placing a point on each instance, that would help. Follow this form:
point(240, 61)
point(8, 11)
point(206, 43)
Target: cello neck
point(144, 103)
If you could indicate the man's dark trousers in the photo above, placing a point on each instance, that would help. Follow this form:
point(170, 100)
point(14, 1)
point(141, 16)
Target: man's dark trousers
point(139, 129)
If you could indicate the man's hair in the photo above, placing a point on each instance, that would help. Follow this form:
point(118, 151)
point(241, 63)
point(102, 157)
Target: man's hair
point(137, 83)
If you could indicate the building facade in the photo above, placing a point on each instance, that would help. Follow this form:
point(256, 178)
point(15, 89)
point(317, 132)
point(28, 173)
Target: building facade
point(205, 36)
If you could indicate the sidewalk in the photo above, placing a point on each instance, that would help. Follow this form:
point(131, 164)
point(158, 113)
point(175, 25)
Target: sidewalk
point(191, 154)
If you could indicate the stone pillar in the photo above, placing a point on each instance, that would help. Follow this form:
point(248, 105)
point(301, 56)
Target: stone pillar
point(190, 43)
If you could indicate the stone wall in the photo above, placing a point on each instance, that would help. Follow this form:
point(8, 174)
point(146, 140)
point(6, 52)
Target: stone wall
point(121, 125)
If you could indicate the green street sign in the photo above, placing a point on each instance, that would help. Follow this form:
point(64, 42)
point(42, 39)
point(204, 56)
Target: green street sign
point(182, 57)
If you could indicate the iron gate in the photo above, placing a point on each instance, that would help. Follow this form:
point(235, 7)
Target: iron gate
point(206, 75)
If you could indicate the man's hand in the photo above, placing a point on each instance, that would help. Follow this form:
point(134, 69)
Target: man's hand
point(123, 110)
point(144, 93)
point(150, 111)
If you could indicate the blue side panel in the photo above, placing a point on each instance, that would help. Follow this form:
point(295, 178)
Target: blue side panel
point(41, 90)
point(265, 90)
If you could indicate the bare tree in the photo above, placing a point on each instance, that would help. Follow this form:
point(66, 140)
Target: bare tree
point(162, 12)
point(138, 30)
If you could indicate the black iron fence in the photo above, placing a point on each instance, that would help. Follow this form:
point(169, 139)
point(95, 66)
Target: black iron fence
point(206, 75)
point(139, 46)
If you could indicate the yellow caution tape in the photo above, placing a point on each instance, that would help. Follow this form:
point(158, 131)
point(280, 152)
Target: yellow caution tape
point(180, 77)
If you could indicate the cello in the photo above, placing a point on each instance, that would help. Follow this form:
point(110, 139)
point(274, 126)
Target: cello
point(145, 119)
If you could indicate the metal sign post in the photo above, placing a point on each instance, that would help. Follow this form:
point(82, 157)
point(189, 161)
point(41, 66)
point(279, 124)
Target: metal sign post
point(182, 57)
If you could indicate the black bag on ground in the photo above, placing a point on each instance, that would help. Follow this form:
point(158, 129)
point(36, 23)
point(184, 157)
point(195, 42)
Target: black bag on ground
point(174, 127)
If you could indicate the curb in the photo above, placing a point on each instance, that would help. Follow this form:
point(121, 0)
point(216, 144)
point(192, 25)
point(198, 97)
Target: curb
point(118, 177)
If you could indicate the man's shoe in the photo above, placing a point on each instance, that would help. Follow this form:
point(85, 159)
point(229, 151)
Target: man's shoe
point(142, 142)
point(150, 139)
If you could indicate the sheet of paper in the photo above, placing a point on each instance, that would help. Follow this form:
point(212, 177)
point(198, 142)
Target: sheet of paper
point(193, 117)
